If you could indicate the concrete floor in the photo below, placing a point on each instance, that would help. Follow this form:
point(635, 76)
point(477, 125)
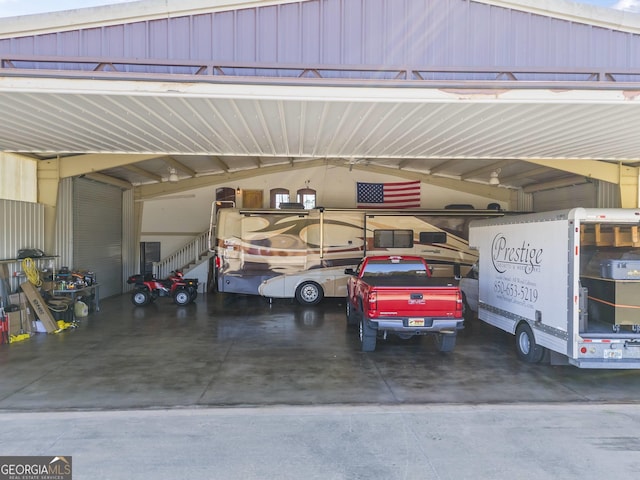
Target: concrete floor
point(228, 350)
point(185, 392)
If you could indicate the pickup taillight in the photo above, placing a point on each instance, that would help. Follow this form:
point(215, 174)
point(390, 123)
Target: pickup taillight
point(458, 301)
point(373, 301)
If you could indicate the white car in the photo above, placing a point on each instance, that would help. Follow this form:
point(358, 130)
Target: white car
point(469, 287)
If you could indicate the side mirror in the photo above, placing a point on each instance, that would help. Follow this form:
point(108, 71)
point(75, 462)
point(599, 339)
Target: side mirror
point(349, 271)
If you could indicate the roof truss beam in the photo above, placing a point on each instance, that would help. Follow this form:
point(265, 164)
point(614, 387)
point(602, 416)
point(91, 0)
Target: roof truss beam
point(144, 192)
point(95, 162)
point(482, 171)
point(626, 177)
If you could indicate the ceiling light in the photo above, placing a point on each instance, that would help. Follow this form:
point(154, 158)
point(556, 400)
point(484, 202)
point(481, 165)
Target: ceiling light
point(173, 175)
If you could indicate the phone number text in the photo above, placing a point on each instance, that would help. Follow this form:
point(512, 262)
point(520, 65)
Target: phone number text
point(520, 292)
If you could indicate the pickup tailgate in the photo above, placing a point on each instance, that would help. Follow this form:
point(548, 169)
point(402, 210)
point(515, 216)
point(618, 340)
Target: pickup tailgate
point(437, 301)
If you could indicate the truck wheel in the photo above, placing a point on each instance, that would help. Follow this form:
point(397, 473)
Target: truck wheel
point(352, 318)
point(446, 342)
point(181, 297)
point(309, 293)
point(526, 346)
point(368, 335)
point(141, 297)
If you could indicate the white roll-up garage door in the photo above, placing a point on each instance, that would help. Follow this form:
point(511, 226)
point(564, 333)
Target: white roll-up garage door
point(97, 233)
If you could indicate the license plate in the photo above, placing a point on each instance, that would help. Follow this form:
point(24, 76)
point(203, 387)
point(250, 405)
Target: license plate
point(416, 322)
point(613, 354)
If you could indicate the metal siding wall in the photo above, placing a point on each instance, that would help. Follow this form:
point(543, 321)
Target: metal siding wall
point(524, 202)
point(130, 244)
point(223, 36)
point(608, 195)
point(97, 233)
point(22, 226)
point(64, 223)
point(267, 27)
point(375, 32)
point(561, 198)
point(201, 36)
point(311, 28)
point(246, 21)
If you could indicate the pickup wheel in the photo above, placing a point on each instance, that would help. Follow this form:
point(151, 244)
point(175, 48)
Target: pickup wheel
point(526, 346)
point(309, 293)
point(446, 342)
point(367, 334)
point(352, 317)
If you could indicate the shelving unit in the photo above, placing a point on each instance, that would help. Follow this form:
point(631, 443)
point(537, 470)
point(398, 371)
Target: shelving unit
point(10, 269)
point(610, 235)
point(13, 276)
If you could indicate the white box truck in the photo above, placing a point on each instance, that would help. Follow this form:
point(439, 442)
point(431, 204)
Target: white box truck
point(565, 283)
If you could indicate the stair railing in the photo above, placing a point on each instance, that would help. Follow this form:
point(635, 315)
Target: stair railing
point(187, 255)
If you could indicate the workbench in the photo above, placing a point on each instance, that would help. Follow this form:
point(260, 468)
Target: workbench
point(73, 292)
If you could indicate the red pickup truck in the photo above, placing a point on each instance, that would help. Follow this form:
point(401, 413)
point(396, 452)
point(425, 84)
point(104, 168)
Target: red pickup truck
point(398, 295)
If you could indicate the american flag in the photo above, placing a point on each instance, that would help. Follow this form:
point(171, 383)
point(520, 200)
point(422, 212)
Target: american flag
point(388, 195)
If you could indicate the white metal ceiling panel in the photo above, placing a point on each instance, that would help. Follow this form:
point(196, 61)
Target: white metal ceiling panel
point(317, 122)
point(236, 127)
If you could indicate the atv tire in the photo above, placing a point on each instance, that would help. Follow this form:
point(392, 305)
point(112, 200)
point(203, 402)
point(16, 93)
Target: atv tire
point(141, 297)
point(182, 297)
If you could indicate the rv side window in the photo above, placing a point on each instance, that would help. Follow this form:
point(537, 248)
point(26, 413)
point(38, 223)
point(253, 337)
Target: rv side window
point(393, 238)
point(427, 238)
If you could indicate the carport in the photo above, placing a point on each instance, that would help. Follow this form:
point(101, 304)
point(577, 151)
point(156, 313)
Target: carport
point(135, 115)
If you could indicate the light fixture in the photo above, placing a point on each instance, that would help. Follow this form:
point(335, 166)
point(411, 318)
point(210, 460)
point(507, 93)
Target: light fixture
point(493, 178)
point(173, 175)
point(238, 191)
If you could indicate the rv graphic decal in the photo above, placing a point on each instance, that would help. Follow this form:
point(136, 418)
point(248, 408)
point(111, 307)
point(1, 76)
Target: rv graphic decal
point(273, 252)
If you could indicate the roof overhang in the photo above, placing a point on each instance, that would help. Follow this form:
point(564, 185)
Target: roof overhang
point(443, 136)
point(63, 116)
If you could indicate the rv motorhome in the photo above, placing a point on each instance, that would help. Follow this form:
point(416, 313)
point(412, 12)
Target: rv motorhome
point(302, 254)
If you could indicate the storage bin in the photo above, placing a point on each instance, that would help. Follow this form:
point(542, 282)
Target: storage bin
point(620, 269)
